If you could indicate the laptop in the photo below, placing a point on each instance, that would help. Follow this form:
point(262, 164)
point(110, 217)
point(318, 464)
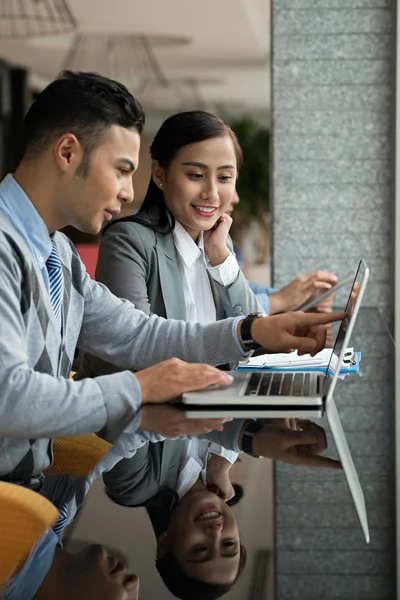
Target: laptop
point(261, 394)
point(294, 395)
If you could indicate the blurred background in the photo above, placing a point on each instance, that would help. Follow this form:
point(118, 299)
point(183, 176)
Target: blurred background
point(173, 56)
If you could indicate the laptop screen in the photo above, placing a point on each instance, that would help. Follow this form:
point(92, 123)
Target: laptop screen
point(344, 325)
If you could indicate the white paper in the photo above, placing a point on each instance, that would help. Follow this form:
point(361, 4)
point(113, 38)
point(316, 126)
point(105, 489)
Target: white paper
point(274, 359)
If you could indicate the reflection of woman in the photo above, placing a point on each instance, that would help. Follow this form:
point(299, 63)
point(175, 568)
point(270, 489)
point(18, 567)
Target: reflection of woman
point(174, 257)
point(199, 554)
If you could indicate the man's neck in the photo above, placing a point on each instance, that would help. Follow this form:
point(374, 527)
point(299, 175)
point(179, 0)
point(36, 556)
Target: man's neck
point(54, 583)
point(38, 186)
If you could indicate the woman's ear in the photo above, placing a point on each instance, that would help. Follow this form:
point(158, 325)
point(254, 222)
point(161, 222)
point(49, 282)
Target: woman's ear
point(163, 545)
point(158, 174)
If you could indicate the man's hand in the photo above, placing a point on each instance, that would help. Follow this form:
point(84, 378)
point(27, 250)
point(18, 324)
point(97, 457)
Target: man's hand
point(295, 447)
point(301, 290)
point(171, 422)
point(170, 379)
point(304, 332)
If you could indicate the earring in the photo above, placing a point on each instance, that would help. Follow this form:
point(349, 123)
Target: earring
point(160, 185)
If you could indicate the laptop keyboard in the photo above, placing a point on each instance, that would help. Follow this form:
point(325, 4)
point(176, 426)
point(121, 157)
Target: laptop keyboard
point(280, 384)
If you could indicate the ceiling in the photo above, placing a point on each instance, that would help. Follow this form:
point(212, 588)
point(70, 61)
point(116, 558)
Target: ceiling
point(221, 45)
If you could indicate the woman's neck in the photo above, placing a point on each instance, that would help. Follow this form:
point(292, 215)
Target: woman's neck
point(198, 486)
point(194, 234)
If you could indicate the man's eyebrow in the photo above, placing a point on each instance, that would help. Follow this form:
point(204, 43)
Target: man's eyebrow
point(203, 166)
point(206, 559)
point(128, 162)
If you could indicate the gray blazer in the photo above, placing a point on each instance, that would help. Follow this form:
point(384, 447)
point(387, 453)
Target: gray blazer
point(154, 468)
point(142, 266)
point(150, 479)
point(138, 264)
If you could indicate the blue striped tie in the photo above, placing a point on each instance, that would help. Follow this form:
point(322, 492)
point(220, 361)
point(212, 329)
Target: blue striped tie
point(54, 269)
point(59, 526)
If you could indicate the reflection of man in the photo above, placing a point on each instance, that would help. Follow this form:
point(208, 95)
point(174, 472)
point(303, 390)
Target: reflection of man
point(292, 296)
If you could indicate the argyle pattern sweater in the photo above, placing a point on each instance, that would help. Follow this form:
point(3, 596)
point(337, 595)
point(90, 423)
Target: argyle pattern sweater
point(37, 399)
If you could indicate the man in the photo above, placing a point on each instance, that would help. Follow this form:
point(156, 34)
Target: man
point(82, 140)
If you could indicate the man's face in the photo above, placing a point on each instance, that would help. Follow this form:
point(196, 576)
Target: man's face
point(99, 576)
point(88, 201)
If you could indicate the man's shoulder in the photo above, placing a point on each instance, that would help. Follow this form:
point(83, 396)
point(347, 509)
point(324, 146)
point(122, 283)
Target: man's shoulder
point(10, 240)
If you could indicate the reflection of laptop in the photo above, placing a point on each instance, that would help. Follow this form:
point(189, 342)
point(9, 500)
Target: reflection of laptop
point(240, 401)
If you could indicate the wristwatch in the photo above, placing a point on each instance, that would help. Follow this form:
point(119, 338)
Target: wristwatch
point(245, 331)
point(250, 429)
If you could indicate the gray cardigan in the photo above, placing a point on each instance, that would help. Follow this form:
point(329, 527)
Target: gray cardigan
point(37, 400)
point(142, 266)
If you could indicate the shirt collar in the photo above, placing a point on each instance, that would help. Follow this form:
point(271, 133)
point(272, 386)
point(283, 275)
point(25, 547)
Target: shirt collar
point(29, 579)
point(25, 219)
point(188, 249)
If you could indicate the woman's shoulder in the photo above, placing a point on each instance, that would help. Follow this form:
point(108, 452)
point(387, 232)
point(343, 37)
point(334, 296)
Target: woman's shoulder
point(128, 228)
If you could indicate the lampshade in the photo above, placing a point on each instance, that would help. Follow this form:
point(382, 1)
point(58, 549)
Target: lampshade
point(132, 60)
point(30, 18)
point(127, 58)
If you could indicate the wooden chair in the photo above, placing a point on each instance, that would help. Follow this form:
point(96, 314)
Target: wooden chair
point(25, 515)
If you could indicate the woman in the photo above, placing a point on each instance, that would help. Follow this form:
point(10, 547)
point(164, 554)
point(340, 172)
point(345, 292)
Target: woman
point(174, 257)
point(199, 552)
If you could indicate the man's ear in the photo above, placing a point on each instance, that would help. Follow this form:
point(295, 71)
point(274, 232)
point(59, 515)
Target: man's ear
point(68, 152)
point(163, 545)
point(158, 174)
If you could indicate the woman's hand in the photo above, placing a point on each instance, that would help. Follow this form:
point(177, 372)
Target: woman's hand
point(217, 475)
point(294, 446)
point(215, 245)
point(301, 290)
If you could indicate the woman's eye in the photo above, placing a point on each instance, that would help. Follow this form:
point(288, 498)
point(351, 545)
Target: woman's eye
point(199, 549)
point(229, 543)
point(123, 171)
point(195, 175)
point(226, 177)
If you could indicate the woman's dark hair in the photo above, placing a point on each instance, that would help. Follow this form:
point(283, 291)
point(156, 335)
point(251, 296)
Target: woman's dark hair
point(239, 493)
point(176, 132)
point(188, 588)
point(85, 104)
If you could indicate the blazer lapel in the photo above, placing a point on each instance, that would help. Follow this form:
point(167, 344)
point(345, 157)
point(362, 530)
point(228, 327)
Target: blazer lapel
point(170, 462)
point(219, 307)
point(170, 278)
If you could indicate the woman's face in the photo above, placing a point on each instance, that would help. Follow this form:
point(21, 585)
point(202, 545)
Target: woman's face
point(203, 536)
point(199, 184)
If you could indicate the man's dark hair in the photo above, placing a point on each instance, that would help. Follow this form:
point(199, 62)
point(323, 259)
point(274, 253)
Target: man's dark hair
point(188, 588)
point(85, 104)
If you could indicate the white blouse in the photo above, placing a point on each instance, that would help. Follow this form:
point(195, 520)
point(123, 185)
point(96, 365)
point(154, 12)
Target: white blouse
point(193, 266)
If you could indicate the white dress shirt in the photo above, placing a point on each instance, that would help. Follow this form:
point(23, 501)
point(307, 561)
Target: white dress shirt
point(197, 292)
point(193, 463)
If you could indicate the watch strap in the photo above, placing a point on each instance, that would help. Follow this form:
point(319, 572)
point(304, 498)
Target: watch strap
point(245, 331)
point(248, 434)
